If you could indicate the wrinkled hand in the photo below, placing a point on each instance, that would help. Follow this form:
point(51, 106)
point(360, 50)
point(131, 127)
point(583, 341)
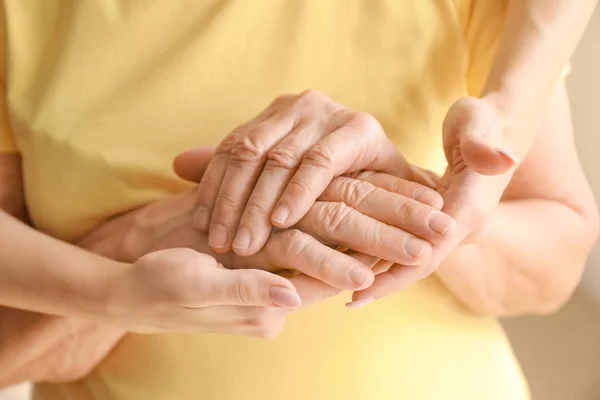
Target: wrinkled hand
point(362, 213)
point(270, 170)
point(478, 173)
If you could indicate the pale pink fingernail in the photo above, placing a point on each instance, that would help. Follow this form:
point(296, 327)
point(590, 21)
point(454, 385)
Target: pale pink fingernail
point(360, 303)
point(507, 154)
point(280, 214)
point(242, 239)
point(218, 236)
point(284, 297)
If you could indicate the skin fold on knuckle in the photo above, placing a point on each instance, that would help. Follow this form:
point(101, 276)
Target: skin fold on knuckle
point(294, 244)
point(226, 145)
point(243, 292)
point(282, 158)
point(299, 187)
point(320, 157)
point(355, 193)
point(333, 216)
point(248, 150)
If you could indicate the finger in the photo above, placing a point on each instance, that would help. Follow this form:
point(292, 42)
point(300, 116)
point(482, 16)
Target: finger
point(382, 266)
point(312, 290)
point(402, 186)
point(292, 249)
point(246, 287)
point(365, 259)
point(282, 161)
point(336, 223)
point(358, 143)
point(485, 159)
point(210, 183)
point(192, 164)
point(392, 209)
point(396, 278)
point(245, 164)
point(474, 127)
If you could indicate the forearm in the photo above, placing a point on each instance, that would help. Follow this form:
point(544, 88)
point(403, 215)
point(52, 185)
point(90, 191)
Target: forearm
point(44, 348)
point(39, 347)
point(33, 346)
point(44, 274)
point(529, 259)
point(538, 41)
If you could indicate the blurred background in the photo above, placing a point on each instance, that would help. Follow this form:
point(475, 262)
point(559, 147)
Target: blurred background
point(560, 354)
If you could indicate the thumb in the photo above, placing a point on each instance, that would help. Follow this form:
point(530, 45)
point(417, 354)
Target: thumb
point(474, 129)
point(247, 287)
point(191, 165)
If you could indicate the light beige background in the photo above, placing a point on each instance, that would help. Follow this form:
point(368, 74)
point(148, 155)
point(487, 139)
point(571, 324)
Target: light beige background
point(560, 354)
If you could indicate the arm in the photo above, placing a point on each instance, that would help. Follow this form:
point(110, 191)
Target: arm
point(38, 347)
point(534, 246)
point(537, 42)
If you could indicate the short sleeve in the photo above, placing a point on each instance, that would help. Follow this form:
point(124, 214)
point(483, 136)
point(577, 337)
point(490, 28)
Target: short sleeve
point(7, 141)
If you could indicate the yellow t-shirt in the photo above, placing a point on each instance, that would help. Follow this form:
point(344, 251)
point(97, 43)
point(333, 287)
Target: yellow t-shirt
point(101, 94)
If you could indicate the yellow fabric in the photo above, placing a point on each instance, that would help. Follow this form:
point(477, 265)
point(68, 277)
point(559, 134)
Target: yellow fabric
point(103, 93)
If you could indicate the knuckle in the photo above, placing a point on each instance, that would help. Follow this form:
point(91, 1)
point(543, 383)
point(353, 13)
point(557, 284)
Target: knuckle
point(282, 100)
point(224, 202)
point(320, 156)
point(282, 158)
point(256, 207)
point(312, 96)
point(295, 243)
point(248, 149)
point(300, 187)
point(334, 215)
point(181, 284)
point(226, 144)
point(365, 121)
point(356, 192)
point(406, 210)
point(243, 291)
point(209, 187)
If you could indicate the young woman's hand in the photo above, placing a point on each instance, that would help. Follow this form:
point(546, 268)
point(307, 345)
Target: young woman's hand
point(478, 172)
point(181, 290)
point(270, 170)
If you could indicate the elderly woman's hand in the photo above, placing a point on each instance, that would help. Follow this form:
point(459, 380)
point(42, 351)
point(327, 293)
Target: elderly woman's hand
point(369, 213)
point(270, 170)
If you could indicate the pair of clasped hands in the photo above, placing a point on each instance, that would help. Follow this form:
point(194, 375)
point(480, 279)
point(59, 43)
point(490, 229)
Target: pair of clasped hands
point(306, 200)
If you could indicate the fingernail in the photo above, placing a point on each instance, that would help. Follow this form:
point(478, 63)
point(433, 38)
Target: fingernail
point(426, 196)
point(360, 275)
point(201, 217)
point(284, 297)
point(414, 247)
point(280, 214)
point(218, 236)
point(508, 154)
point(360, 303)
point(243, 238)
point(439, 223)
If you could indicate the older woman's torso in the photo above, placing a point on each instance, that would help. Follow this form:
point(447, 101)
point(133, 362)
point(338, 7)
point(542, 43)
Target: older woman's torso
point(102, 94)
